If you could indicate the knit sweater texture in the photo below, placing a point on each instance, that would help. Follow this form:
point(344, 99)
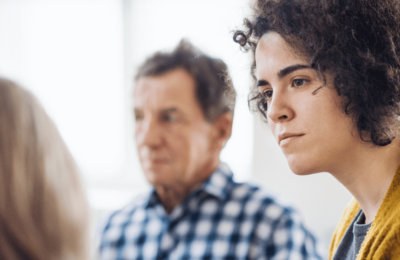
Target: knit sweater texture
point(382, 241)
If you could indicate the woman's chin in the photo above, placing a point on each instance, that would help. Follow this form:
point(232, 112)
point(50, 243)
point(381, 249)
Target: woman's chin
point(301, 167)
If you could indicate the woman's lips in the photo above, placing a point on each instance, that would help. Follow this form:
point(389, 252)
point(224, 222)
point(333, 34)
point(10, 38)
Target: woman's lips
point(288, 138)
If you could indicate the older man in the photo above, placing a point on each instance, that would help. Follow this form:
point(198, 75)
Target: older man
point(183, 106)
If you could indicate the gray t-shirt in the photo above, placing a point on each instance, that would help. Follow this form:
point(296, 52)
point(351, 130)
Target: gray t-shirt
point(352, 239)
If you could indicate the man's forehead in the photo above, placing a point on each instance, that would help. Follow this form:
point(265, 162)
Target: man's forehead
point(172, 89)
point(154, 85)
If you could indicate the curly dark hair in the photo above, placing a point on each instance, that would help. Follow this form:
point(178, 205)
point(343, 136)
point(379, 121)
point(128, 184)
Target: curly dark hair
point(214, 88)
point(357, 41)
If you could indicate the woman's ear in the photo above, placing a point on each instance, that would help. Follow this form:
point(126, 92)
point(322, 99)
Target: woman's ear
point(222, 130)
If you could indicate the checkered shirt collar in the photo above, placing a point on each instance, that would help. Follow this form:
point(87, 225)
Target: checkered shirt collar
point(218, 185)
point(220, 182)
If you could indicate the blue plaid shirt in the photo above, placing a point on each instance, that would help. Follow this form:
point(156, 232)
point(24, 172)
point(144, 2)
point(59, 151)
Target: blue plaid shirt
point(220, 220)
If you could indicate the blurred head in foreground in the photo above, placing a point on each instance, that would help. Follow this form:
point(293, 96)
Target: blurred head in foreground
point(43, 211)
point(184, 102)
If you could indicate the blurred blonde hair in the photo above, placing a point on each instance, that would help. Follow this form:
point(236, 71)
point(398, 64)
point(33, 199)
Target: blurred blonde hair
point(43, 210)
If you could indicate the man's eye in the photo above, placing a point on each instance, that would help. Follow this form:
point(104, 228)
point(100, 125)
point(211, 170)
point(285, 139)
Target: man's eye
point(138, 117)
point(267, 94)
point(299, 82)
point(169, 118)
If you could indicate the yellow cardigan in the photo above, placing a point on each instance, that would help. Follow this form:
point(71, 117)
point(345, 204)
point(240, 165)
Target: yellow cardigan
point(383, 238)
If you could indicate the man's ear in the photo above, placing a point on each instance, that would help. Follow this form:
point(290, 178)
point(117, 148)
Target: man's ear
point(222, 130)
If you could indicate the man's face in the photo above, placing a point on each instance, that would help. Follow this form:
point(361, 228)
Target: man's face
point(172, 135)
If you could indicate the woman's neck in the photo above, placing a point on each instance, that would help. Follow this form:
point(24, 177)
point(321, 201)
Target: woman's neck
point(368, 174)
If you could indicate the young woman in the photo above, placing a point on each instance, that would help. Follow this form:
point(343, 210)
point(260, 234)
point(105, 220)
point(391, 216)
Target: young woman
point(43, 211)
point(327, 78)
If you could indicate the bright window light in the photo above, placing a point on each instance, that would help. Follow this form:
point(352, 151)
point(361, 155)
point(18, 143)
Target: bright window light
point(70, 55)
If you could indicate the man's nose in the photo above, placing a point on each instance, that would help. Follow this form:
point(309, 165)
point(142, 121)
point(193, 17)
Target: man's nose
point(148, 133)
point(280, 109)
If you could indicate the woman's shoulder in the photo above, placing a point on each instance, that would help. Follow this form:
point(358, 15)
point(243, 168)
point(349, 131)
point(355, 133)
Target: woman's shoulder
point(348, 215)
point(383, 239)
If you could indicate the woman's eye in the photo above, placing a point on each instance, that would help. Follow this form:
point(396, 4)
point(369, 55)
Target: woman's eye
point(299, 82)
point(267, 94)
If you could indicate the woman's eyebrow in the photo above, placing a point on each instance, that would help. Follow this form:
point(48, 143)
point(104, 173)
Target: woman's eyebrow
point(262, 82)
point(282, 73)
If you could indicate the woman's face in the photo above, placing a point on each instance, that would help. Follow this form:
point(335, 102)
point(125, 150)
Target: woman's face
point(304, 113)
